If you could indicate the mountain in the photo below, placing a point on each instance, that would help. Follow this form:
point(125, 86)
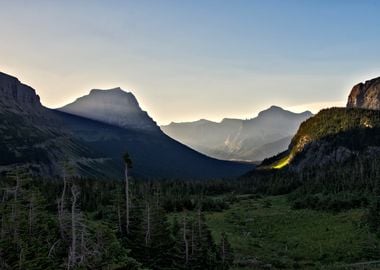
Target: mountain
point(43, 138)
point(333, 136)
point(336, 135)
point(113, 106)
point(251, 140)
point(365, 95)
point(32, 135)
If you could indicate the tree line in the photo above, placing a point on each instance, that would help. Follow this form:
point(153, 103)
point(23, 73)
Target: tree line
point(73, 223)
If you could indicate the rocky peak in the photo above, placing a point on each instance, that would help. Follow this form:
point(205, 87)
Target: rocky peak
point(17, 96)
point(113, 106)
point(365, 95)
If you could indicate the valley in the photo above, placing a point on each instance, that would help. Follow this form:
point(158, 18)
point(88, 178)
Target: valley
point(189, 135)
point(94, 186)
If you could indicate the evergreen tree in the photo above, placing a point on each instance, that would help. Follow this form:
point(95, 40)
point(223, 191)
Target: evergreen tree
point(152, 241)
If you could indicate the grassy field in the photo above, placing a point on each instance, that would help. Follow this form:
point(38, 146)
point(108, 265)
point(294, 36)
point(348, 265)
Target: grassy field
point(267, 233)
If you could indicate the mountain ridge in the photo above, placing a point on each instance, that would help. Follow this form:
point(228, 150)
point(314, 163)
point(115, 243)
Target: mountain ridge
point(238, 139)
point(336, 135)
point(42, 139)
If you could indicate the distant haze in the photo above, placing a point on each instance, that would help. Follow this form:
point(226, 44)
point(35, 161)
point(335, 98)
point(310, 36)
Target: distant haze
point(249, 140)
point(186, 60)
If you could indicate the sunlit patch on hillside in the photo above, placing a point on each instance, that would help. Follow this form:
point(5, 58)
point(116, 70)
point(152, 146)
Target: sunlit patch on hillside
point(282, 163)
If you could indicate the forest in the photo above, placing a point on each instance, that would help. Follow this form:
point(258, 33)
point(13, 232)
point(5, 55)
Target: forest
point(78, 223)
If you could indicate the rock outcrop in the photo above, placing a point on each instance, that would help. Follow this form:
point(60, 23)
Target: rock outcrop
point(365, 95)
point(17, 96)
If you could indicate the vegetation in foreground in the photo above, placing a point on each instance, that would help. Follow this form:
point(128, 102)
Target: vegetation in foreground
point(316, 220)
point(266, 232)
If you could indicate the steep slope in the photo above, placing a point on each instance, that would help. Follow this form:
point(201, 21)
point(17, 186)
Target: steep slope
point(336, 135)
point(119, 125)
point(32, 135)
point(255, 139)
point(365, 95)
point(333, 136)
point(154, 154)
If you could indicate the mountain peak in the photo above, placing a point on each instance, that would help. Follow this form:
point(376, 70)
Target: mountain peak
point(113, 106)
point(272, 109)
point(275, 108)
point(365, 95)
point(108, 91)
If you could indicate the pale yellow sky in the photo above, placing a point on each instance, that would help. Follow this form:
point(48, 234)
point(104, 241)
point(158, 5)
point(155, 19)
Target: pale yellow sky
point(53, 94)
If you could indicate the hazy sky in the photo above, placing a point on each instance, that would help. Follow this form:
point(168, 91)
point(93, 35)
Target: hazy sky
point(186, 60)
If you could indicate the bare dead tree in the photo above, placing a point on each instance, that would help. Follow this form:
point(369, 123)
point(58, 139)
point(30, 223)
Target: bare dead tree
point(200, 222)
point(31, 214)
point(128, 164)
point(192, 240)
point(185, 241)
point(51, 250)
point(66, 170)
point(148, 225)
point(223, 247)
point(73, 247)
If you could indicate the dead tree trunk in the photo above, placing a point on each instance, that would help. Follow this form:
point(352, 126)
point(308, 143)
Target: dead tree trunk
point(147, 234)
point(223, 244)
point(126, 199)
point(61, 207)
point(30, 215)
point(73, 247)
point(185, 241)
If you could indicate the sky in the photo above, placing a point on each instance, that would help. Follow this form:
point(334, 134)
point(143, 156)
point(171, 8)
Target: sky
point(192, 59)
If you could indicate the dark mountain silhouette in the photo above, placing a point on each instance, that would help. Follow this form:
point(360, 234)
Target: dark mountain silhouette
point(33, 135)
point(43, 138)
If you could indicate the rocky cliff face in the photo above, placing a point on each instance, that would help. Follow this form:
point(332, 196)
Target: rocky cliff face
point(17, 96)
point(113, 106)
point(365, 95)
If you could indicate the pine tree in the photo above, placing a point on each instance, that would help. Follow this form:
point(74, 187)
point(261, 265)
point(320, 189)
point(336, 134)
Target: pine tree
point(180, 251)
point(205, 253)
point(151, 239)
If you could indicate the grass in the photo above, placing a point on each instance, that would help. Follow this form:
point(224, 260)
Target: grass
point(267, 230)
